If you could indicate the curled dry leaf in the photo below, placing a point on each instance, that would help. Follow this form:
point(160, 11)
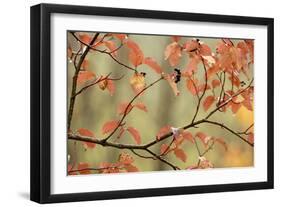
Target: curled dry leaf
point(208, 102)
point(171, 80)
point(109, 126)
point(135, 133)
point(153, 64)
point(84, 76)
point(87, 133)
point(173, 53)
point(137, 82)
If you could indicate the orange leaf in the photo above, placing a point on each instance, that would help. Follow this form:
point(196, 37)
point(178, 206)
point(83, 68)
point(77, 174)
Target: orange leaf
point(164, 149)
point(173, 53)
point(131, 168)
point(191, 86)
point(125, 106)
point(137, 82)
point(172, 83)
point(153, 64)
point(203, 137)
point(251, 137)
point(84, 76)
point(208, 102)
point(111, 46)
point(191, 45)
point(222, 143)
point(135, 133)
point(235, 107)
point(141, 106)
point(84, 168)
point(180, 154)
point(109, 126)
point(135, 54)
point(87, 133)
point(85, 38)
point(215, 83)
point(187, 136)
point(163, 131)
point(205, 50)
point(121, 37)
point(110, 87)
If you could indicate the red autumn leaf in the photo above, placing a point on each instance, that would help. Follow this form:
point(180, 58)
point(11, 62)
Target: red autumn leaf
point(135, 54)
point(208, 102)
point(137, 82)
point(125, 106)
point(83, 167)
point(109, 126)
point(180, 154)
point(121, 37)
point(173, 53)
point(215, 83)
point(163, 131)
point(171, 81)
point(192, 66)
point(222, 143)
point(111, 46)
point(191, 45)
point(84, 76)
point(85, 38)
point(131, 168)
point(87, 133)
point(203, 137)
point(235, 107)
point(251, 137)
point(153, 64)
point(110, 87)
point(187, 136)
point(205, 50)
point(248, 104)
point(164, 149)
point(135, 133)
point(191, 86)
point(141, 106)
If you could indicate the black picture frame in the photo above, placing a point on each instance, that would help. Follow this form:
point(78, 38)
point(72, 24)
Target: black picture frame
point(41, 98)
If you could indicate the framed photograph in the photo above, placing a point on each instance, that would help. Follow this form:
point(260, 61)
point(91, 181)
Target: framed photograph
point(133, 103)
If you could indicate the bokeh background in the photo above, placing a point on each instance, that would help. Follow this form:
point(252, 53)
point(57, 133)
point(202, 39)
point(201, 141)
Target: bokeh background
point(94, 107)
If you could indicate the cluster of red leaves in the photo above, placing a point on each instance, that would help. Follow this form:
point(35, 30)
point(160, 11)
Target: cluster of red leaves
point(179, 136)
point(123, 164)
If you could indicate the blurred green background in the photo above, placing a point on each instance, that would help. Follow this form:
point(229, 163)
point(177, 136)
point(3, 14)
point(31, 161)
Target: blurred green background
point(94, 107)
